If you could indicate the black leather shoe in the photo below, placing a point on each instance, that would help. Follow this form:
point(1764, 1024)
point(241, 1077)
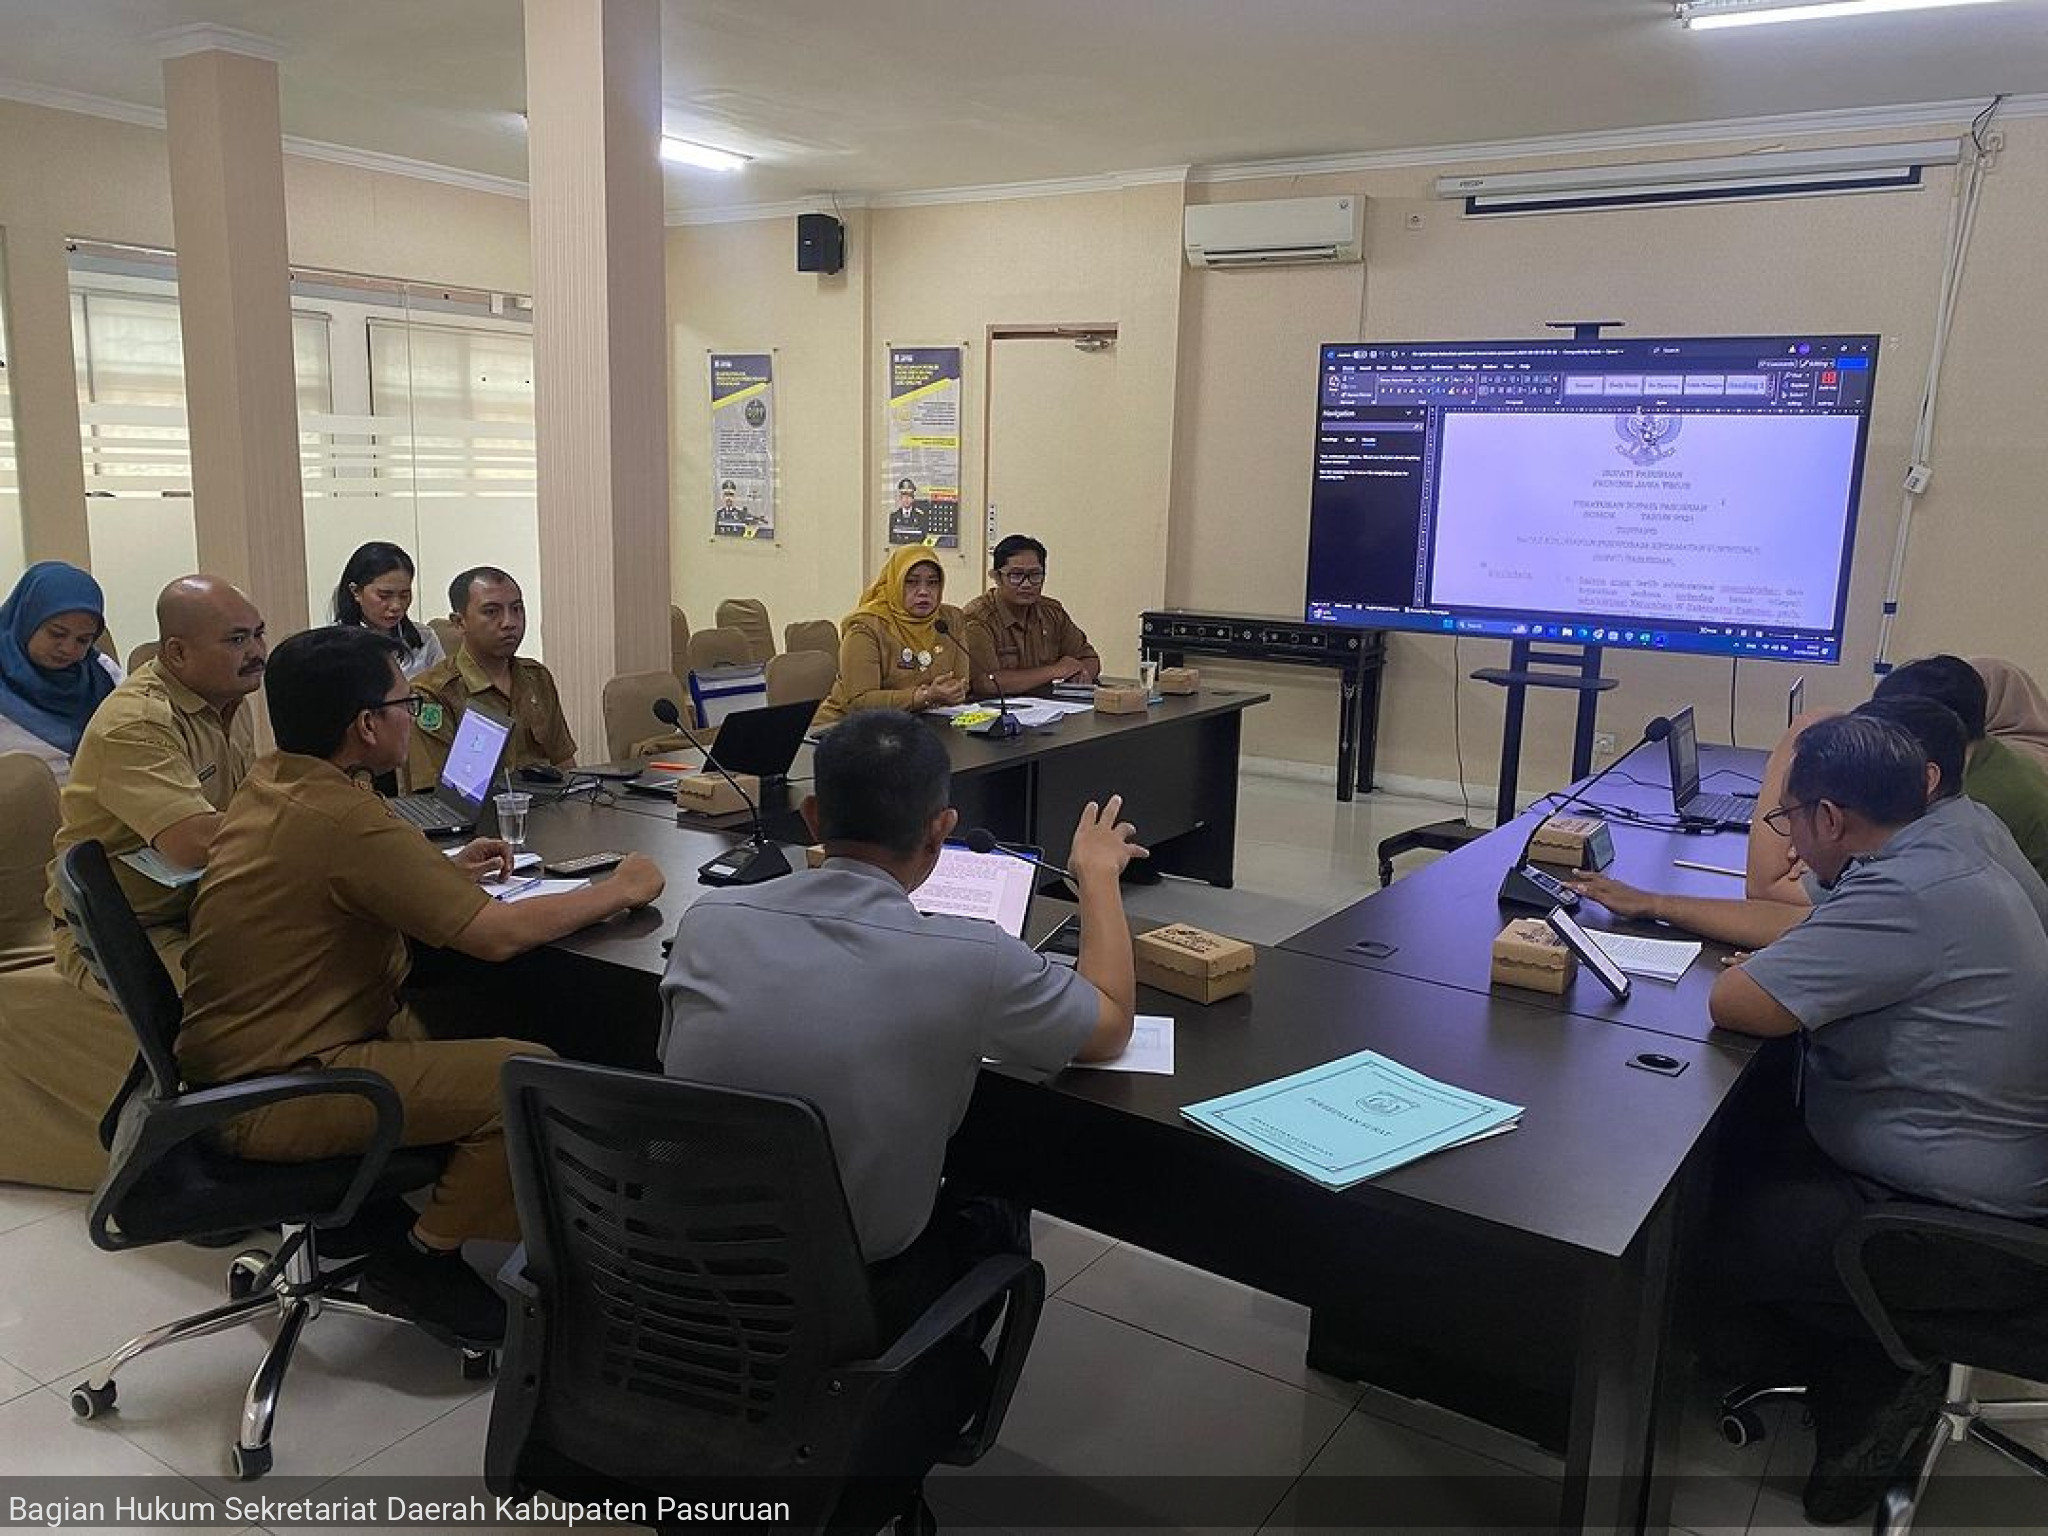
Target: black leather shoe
point(438, 1292)
point(1852, 1468)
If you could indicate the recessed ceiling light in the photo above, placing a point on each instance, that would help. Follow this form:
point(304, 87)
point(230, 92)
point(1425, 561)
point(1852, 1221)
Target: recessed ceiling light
point(1705, 15)
point(703, 156)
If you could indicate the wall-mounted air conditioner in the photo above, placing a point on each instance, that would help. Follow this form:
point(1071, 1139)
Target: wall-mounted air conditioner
point(1725, 178)
point(1286, 232)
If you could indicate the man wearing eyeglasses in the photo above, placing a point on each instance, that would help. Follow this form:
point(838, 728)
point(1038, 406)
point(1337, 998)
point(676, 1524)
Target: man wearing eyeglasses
point(1915, 990)
point(1018, 639)
point(299, 952)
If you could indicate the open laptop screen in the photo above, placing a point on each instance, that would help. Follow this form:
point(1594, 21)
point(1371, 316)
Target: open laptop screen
point(472, 761)
point(1684, 751)
point(994, 887)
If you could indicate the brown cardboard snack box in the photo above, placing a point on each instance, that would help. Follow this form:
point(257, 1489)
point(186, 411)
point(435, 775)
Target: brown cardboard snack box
point(1575, 842)
point(708, 794)
point(1527, 954)
point(1193, 963)
point(1180, 680)
point(1119, 699)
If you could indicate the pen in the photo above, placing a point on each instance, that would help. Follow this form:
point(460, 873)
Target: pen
point(1710, 869)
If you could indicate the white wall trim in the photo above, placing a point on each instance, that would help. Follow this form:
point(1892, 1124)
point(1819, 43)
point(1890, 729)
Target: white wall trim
point(1953, 114)
point(58, 100)
point(1669, 135)
point(399, 165)
point(745, 213)
point(209, 37)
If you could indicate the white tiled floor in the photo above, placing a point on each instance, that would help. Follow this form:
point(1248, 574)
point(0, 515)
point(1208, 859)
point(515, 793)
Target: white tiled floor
point(1142, 1366)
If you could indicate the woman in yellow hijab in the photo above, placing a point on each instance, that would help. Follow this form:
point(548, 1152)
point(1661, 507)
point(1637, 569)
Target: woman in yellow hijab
point(904, 647)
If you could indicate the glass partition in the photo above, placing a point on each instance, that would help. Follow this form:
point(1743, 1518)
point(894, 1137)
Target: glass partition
point(415, 425)
point(430, 440)
point(12, 556)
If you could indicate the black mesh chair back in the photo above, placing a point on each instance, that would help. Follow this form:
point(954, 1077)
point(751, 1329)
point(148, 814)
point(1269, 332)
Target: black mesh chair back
point(167, 1180)
point(1937, 1284)
point(118, 953)
point(694, 1254)
point(693, 1310)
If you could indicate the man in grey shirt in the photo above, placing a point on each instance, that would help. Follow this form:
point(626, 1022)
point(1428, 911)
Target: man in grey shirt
point(1752, 922)
point(1916, 989)
point(831, 986)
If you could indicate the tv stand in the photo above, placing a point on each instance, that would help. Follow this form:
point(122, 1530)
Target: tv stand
point(1574, 667)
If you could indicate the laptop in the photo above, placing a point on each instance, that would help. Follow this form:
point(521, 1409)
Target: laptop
point(452, 807)
point(762, 742)
point(1683, 748)
point(993, 887)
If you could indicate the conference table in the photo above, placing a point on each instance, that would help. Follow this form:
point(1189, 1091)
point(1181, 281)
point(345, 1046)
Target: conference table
point(1175, 763)
point(1526, 1281)
point(1424, 924)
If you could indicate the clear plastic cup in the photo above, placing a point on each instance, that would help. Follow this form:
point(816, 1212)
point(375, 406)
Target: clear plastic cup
point(512, 807)
point(1148, 677)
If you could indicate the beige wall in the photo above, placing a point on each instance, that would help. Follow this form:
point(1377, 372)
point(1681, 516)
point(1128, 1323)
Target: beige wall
point(1842, 263)
point(736, 287)
point(915, 276)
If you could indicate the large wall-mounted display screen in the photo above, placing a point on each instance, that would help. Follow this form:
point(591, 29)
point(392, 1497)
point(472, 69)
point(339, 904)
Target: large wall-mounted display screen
point(1678, 494)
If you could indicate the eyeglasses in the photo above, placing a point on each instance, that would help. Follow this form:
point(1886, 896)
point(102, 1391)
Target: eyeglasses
point(1780, 820)
point(1023, 578)
point(412, 703)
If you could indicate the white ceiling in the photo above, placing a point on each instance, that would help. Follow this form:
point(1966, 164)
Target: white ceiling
point(862, 97)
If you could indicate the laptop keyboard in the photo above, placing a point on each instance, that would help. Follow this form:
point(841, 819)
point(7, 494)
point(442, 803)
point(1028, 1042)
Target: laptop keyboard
point(1733, 809)
point(424, 811)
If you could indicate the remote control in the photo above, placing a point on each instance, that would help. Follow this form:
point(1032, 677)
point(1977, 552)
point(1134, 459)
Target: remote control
point(584, 864)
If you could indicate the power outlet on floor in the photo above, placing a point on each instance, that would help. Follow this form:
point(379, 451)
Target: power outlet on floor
point(1603, 743)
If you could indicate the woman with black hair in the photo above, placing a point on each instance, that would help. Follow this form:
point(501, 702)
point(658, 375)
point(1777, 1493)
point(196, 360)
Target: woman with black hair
point(376, 593)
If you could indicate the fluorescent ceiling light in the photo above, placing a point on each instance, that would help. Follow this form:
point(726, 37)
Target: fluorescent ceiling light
point(1705, 15)
point(703, 156)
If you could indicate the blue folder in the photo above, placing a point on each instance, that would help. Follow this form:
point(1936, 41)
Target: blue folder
point(1352, 1119)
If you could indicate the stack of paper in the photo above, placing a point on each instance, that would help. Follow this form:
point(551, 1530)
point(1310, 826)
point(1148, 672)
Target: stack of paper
point(1658, 959)
point(1353, 1119)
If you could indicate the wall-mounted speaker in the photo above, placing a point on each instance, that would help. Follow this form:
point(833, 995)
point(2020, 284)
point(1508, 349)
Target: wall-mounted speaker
point(820, 243)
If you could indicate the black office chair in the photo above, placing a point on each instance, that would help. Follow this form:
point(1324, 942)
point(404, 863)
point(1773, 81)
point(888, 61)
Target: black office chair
point(1993, 1276)
point(168, 1182)
point(691, 1313)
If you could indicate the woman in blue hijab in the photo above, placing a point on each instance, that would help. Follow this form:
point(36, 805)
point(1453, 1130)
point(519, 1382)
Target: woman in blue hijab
point(51, 678)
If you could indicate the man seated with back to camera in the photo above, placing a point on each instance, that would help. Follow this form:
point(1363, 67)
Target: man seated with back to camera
point(1750, 923)
point(831, 986)
point(1915, 989)
point(487, 669)
point(299, 954)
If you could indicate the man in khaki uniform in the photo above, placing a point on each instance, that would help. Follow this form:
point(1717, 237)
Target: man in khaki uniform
point(1018, 639)
point(162, 756)
point(299, 952)
point(487, 668)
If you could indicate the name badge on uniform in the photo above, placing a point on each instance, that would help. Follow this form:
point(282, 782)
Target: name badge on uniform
point(208, 772)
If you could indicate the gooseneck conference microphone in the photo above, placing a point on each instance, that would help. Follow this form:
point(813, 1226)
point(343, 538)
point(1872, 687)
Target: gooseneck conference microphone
point(1005, 725)
point(981, 840)
point(748, 863)
point(1527, 886)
